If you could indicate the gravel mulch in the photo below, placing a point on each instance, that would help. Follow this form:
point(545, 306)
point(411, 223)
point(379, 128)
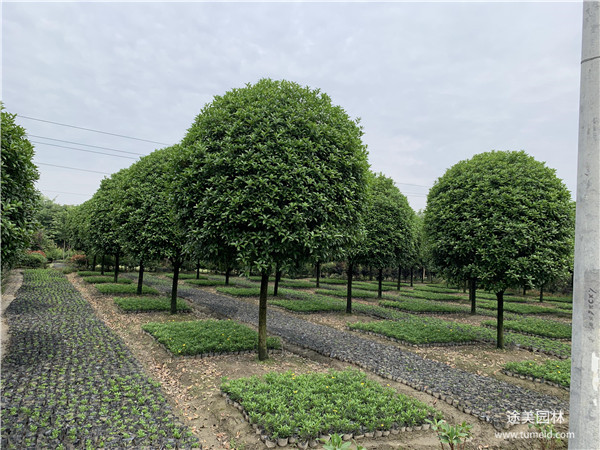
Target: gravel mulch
point(70, 382)
point(486, 398)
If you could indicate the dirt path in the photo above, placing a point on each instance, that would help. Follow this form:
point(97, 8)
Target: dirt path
point(12, 285)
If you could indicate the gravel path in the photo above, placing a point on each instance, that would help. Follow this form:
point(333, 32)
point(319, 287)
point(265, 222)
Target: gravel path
point(70, 382)
point(484, 397)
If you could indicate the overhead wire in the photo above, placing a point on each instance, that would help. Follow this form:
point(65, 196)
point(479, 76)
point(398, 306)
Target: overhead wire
point(86, 145)
point(90, 129)
point(82, 150)
point(72, 168)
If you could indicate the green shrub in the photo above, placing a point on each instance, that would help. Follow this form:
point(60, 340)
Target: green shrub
point(418, 330)
point(106, 279)
point(203, 336)
point(558, 372)
point(206, 282)
point(305, 406)
point(421, 306)
point(32, 260)
point(131, 289)
point(540, 327)
point(143, 304)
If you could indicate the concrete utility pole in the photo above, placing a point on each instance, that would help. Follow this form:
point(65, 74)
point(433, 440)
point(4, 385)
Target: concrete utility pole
point(584, 414)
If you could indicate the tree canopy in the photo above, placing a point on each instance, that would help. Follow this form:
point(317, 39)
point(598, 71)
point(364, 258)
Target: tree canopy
point(275, 171)
point(498, 217)
point(19, 196)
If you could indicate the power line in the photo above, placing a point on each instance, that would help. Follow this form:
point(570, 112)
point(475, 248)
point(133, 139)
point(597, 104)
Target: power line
point(90, 129)
point(418, 185)
point(86, 145)
point(82, 150)
point(72, 168)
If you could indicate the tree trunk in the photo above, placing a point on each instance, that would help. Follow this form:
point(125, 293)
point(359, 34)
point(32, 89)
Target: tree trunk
point(277, 279)
point(262, 317)
point(500, 324)
point(349, 289)
point(94, 264)
point(140, 278)
point(472, 294)
point(380, 277)
point(117, 267)
point(370, 273)
point(465, 286)
point(198, 270)
point(423, 274)
point(318, 270)
point(412, 275)
point(541, 293)
point(399, 277)
point(102, 265)
point(227, 273)
point(176, 266)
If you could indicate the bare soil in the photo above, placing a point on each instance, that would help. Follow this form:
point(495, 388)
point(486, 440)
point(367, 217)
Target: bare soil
point(192, 385)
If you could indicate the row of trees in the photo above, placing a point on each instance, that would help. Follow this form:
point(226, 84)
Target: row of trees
point(273, 175)
point(268, 177)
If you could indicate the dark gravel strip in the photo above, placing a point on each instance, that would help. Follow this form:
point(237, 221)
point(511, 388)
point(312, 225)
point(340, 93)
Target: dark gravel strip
point(484, 397)
point(69, 382)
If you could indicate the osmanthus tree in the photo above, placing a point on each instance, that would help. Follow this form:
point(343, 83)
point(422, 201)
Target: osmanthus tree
point(390, 227)
point(77, 225)
point(18, 194)
point(276, 171)
point(498, 217)
point(150, 228)
point(106, 220)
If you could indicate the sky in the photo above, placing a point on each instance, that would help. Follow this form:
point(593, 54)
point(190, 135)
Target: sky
point(434, 83)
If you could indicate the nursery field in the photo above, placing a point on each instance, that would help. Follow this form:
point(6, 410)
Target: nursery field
point(315, 361)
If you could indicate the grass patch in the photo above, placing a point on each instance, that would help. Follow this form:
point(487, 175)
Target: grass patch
point(422, 306)
point(305, 406)
point(437, 289)
point(145, 304)
point(206, 282)
point(521, 308)
point(558, 372)
point(540, 327)
point(296, 284)
point(106, 279)
point(131, 289)
point(418, 330)
point(242, 291)
point(330, 280)
point(203, 336)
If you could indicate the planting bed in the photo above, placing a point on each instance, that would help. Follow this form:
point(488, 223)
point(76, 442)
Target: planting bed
point(127, 289)
point(69, 382)
point(538, 327)
point(106, 279)
point(416, 305)
point(302, 407)
point(146, 304)
point(418, 331)
point(206, 336)
point(486, 398)
point(206, 282)
point(557, 372)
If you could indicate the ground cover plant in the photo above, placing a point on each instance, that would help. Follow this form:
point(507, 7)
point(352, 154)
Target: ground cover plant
point(438, 289)
point(558, 372)
point(101, 279)
point(425, 295)
point(423, 306)
point(204, 336)
point(69, 382)
point(330, 281)
point(149, 303)
point(186, 276)
point(522, 308)
point(296, 284)
point(356, 293)
point(206, 282)
point(540, 327)
point(507, 298)
point(128, 289)
point(306, 406)
point(242, 291)
point(318, 304)
point(418, 330)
